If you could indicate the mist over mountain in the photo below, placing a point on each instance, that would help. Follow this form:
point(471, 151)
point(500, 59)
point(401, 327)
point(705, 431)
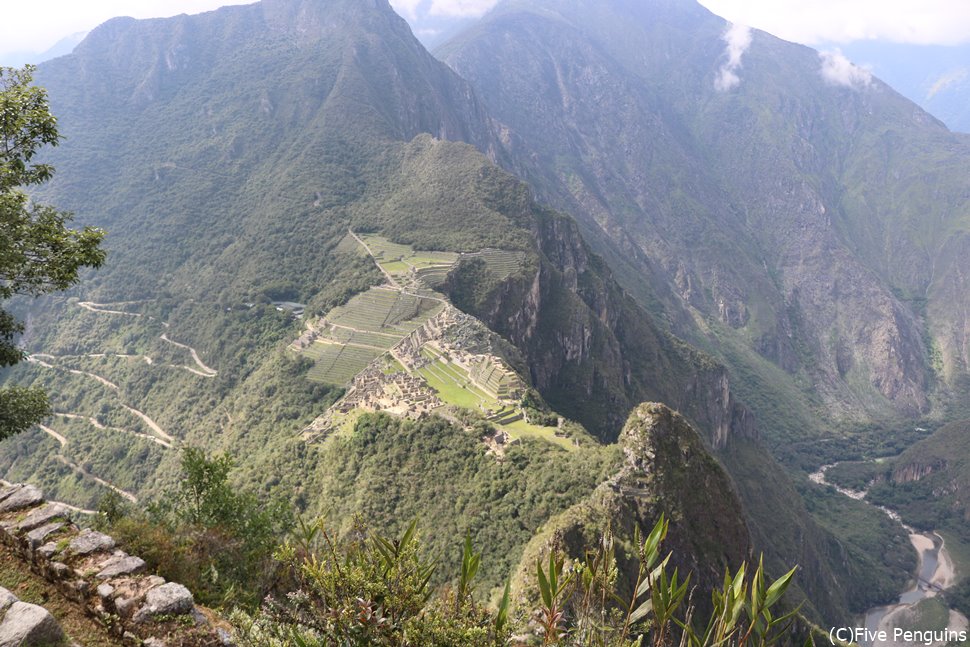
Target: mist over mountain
point(937, 77)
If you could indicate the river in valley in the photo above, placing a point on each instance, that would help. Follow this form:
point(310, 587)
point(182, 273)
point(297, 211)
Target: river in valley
point(935, 573)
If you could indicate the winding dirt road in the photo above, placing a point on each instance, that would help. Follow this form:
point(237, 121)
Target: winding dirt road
point(97, 425)
point(151, 423)
point(205, 371)
point(33, 359)
point(80, 470)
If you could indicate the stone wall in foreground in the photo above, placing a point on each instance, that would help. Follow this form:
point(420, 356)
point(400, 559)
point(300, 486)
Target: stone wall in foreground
point(86, 567)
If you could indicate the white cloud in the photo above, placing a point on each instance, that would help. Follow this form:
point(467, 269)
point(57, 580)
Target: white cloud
point(461, 8)
point(737, 40)
point(950, 78)
point(839, 70)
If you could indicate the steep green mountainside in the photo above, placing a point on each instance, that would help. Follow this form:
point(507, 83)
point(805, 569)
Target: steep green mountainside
point(271, 117)
point(662, 453)
point(805, 220)
point(231, 156)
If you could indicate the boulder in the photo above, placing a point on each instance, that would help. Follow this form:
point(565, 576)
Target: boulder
point(41, 516)
point(28, 625)
point(167, 599)
point(24, 497)
point(121, 565)
point(90, 541)
point(8, 490)
point(6, 599)
point(37, 536)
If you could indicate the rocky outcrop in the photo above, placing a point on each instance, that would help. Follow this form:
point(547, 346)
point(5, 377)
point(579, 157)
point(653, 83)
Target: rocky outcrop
point(917, 470)
point(667, 470)
point(86, 567)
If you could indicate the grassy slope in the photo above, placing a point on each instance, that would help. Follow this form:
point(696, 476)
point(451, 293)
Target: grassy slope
point(391, 471)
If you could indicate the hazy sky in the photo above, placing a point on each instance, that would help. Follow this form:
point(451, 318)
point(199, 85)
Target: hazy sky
point(36, 25)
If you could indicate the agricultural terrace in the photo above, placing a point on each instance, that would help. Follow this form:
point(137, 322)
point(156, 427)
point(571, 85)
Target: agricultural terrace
point(407, 266)
point(500, 262)
point(351, 336)
point(456, 387)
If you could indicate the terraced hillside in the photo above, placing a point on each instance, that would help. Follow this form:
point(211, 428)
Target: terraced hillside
point(386, 343)
point(351, 336)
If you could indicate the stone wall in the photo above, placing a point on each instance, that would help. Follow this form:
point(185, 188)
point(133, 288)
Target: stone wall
point(86, 567)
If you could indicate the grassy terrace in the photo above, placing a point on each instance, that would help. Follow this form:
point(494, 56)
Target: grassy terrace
point(362, 329)
point(338, 363)
point(401, 260)
point(454, 386)
point(500, 262)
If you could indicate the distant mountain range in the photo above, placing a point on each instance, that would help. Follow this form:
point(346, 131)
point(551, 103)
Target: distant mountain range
point(64, 46)
point(934, 76)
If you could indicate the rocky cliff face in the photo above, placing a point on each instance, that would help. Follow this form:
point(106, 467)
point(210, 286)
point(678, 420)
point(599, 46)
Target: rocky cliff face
point(916, 471)
point(593, 352)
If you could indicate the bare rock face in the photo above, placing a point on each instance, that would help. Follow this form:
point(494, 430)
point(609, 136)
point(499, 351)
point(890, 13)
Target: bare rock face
point(27, 625)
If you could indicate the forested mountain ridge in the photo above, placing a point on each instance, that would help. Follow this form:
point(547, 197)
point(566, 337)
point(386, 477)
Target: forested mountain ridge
point(794, 208)
point(236, 156)
point(231, 155)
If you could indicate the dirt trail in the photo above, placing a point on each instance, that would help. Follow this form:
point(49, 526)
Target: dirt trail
point(390, 279)
point(370, 332)
point(97, 425)
point(50, 432)
point(100, 481)
point(80, 470)
point(100, 307)
point(145, 358)
point(151, 423)
point(33, 359)
point(205, 370)
point(104, 308)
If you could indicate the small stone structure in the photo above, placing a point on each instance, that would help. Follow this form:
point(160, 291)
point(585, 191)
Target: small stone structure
point(86, 567)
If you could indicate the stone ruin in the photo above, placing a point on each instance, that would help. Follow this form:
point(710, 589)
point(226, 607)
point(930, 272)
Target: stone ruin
point(88, 569)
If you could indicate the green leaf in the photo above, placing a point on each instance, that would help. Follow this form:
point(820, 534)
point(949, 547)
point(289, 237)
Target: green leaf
point(641, 611)
point(544, 589)
point(502, 615)
point(778, 587)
